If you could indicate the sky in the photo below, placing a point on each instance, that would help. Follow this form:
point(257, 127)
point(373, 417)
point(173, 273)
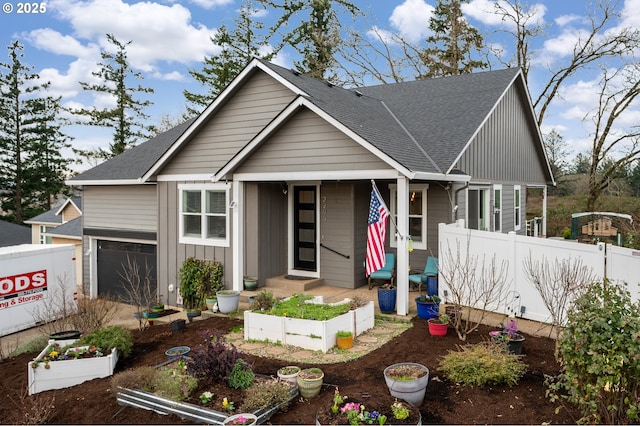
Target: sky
point(63, 39)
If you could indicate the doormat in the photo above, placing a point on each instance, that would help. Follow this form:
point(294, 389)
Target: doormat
point(298, 278)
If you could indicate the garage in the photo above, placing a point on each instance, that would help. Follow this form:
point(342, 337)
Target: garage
point(112, 258)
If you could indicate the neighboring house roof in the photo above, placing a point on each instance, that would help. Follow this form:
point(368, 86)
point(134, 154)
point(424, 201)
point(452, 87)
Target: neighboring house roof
point(50, 217)
point(71, 229)
point(420, 126)
point(75, 201)
point(132, 164)
point(12, 234)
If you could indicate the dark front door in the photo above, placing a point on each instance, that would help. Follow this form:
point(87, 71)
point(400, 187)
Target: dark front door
point(304, 228)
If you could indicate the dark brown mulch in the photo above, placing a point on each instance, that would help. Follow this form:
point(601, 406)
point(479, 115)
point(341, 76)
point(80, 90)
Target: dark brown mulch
point(445, 402)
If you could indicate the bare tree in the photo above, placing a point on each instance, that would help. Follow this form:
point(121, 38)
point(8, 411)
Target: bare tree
point(559, 283)
point(591, 46)
point(138, 288)
point(477, 284)
point(613, 149)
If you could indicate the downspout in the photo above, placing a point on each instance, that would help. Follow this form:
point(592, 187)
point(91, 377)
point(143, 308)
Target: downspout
point(455, 199)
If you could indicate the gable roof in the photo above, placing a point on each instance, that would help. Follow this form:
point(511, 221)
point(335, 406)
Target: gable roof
point(420, 126)
point(70, 229)
point(12, 234)
point(76, 202)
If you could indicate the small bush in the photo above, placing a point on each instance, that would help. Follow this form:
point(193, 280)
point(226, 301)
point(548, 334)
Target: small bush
point(109, 337)
point(483, 364)
point(241, 376)
point(264, 394)
point(213, 360)
point(137, 378)
point(174, 384)
point(600, 353)
point(36, 345)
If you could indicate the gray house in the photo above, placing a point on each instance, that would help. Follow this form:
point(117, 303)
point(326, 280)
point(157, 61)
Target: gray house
point(274, 178)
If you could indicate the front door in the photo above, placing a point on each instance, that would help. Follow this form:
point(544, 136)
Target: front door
point(304, 228)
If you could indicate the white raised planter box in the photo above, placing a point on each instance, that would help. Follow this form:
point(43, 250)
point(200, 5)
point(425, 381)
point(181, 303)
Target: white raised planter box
point(63, 374)
point(307, 334)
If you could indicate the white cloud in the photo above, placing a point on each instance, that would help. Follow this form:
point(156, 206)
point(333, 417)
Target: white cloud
point(210, 4)
point(173, 76)
point(411, 19)
point(54, 42)
point(485, 12)
point(567, 19)
point(378, 34)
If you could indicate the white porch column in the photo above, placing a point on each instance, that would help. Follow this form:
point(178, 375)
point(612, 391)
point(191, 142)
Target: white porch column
point(402, 255)
point(544, 211)
point(237, 233)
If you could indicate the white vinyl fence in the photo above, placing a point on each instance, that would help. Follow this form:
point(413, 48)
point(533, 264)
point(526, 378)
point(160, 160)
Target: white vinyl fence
point(522, 299)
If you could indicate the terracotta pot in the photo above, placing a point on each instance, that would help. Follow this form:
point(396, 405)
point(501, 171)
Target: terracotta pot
point(344, 342)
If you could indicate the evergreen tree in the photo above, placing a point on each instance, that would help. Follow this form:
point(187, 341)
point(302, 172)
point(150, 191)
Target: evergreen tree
point(28, 129)
point(126, 117)
point(454, 43)
point(239, 46)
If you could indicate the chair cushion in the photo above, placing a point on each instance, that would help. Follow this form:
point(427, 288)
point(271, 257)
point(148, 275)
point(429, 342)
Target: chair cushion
point(381, 274)
point(417, 278)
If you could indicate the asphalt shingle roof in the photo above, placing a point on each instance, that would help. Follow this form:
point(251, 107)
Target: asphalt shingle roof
point(72, 228)
point(12, 234)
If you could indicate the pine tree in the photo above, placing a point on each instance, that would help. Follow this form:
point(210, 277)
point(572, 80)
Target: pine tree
point(126, 117)
point(29, 134)
point(454, 43)
point(239, 46)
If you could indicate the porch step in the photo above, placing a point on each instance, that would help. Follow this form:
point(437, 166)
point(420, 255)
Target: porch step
point(293, 284)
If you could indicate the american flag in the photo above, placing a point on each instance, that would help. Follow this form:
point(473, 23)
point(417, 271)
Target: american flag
point(376, 232)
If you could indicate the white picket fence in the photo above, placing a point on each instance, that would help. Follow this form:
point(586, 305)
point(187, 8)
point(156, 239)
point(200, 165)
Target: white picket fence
point(618, 264)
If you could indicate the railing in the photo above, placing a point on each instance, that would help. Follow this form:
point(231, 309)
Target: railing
point(346, 256)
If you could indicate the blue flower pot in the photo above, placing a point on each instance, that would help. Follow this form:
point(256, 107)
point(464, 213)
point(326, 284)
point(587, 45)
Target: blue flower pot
point(387, 300)
point(427, 310)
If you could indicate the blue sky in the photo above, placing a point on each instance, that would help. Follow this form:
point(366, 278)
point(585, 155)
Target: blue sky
point(168, 37)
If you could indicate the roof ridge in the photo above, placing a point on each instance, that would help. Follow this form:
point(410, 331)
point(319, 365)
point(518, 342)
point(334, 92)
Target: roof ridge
point(433, 163)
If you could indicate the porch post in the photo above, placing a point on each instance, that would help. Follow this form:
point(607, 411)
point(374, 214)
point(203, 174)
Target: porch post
point(402, 266)
point(237, 234)
point(544, 211)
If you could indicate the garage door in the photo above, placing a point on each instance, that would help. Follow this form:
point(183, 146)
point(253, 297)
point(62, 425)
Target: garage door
point(113, 256)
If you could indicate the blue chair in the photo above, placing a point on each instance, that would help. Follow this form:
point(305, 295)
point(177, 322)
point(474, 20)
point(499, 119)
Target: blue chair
point(416, 278)
point(387, 272)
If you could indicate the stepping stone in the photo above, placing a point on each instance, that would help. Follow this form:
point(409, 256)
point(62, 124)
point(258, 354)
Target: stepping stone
point(278, 350)
point(302, 355)
point(367, 339)
point(250, 346)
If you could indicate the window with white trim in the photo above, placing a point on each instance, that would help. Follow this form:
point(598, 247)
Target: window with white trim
point(417, 215)
point(497, 208)
point(204, 214)
point(45, 239)
point(517, 218)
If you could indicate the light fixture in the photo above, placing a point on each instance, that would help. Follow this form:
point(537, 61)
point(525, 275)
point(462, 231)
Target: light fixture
point(413, 196)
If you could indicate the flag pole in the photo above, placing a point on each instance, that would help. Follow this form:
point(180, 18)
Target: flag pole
point(375, 187)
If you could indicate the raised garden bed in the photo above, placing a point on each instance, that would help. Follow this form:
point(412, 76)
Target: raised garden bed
point(306, 333)
point(65, 373)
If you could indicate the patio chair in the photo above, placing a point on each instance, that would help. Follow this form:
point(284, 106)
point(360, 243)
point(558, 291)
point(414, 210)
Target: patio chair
point(417, 278)
point(386, 273)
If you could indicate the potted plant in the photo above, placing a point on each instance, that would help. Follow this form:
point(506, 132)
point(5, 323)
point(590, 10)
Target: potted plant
point(241, 419)
point(289, 373)
point(177, 352)
point(158, 306)
point(199, 278)
point(228, 301)
point(428, 306)
point(438, 326)
point(408, 381)
point(309, 382)
point(387, 298)
point(250, 283)
point(509, 335)
point(344, 339)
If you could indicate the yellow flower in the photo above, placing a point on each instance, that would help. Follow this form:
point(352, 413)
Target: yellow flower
point(53, 354)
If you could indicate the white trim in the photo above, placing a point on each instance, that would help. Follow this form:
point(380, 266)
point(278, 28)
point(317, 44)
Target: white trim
point(220, 100)
point(393, 237)
point(67, 201)
point(237, 234)
point(441, 177)
point(290, 267)
point(316, 175)
point(203, 188)
point(497, 187)
point(402, 256)
point(107, 182)
point(206, 177)
point(292, 108)
point(517, 225)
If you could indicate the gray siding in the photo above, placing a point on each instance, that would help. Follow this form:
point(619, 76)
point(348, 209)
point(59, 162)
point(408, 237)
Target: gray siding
point(336, 231)
point(250, 109)
point(171, 253)
point(307, 142)
point(271, 246)
point(506, 148)
point(362, 194)
point(126, 207)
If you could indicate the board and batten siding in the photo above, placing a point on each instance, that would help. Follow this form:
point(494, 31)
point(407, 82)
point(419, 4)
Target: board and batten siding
point(506, 147)
point(336, 233)
point(171, 253)
point(266, 247)
point(232, 126)
point(307, 142)
point(123, 207)
point(362, 197)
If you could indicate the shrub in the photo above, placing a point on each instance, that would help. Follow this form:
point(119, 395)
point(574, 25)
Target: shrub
point(213, 360)
point(599, 351)
point(483, 364)
point(241, 376)
point(174, 384)
point(137, 378)
point(109, 337)
point(267, 393)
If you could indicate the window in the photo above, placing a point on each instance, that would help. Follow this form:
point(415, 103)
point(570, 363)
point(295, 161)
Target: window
point(497, 208)
point(417, 215)
point(204, 217)
point(517, 219)
point(43, 238)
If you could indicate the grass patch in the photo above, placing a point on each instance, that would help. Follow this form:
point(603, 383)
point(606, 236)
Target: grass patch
point(296, 307)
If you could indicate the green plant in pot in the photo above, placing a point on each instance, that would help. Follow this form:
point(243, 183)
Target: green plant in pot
point(199, 279)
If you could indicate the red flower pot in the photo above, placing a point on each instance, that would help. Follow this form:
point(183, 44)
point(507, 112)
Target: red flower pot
point(436, 328)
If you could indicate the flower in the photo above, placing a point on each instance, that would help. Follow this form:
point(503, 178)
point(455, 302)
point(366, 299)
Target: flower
point(356, 412)
point(206, 397)
point(509, 331)
point(228, 405)
point(400, 411)
point(239, 421)
point(387, 286)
